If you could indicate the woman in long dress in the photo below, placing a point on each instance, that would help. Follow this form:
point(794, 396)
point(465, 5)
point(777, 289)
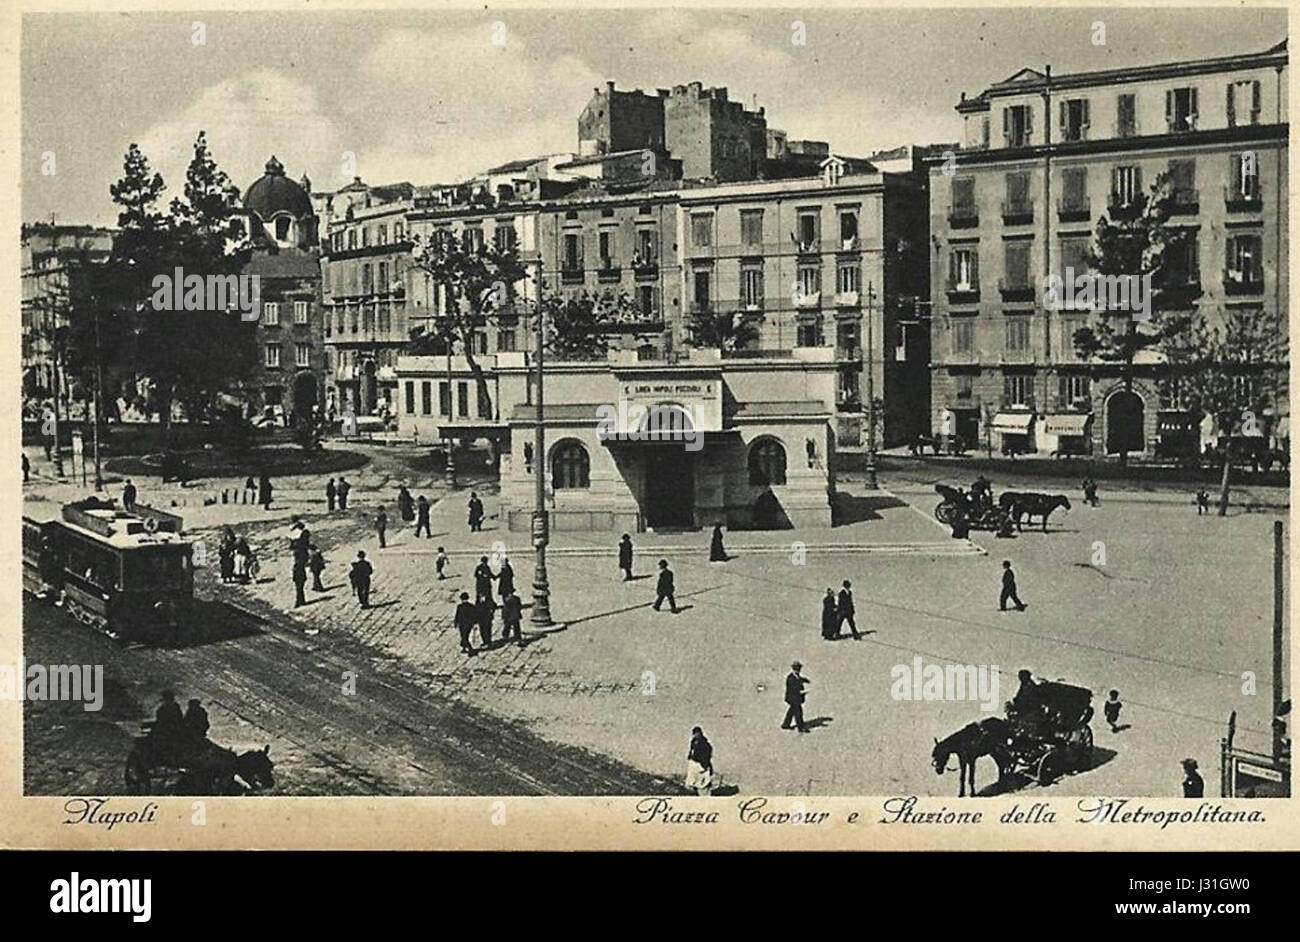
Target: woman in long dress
point(699, 763)
point(830, 616)
point(717, 552)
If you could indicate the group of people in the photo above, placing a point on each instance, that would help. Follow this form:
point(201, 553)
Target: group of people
point(235, 557)
point(482, 611)
point(336, 494)
point(260, 491)
point(837, 610)
point(179, 734)
point(307, 557)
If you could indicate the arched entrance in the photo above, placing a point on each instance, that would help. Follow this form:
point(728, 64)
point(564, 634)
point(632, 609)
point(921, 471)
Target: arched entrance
point(1125, 417)
point(669, 467)
point(305, 395)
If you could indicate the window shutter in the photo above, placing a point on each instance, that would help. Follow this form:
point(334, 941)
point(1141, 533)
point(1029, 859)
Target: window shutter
point(1254, 101)
point(1232, 105)
point(1029, 124)
point(1169, 109)
point(1137, 183)
point(1191, 103)
point(952, 267)
point(975, 268)
point(1257, 259)
point(1006, 126)
point(1086, 120)
point(1238, 183)
point(1064, 110)
point(1228, 246)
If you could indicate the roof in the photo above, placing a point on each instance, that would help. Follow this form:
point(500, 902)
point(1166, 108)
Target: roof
point(514, 165)
point(757, 410)
point(274, 193)
point(286, 263)
point(560, 412)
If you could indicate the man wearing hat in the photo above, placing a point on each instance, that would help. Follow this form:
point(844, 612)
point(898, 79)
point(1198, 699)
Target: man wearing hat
point(1193, 784)
point(794, 696)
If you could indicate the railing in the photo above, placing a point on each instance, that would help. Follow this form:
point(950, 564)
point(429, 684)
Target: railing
point(963, 217)
point(571, 275)
point(1125, 128)
point(807, 301)
point(1121, 207)
point(1021, 292)
point(1235, 201)
point(1017, 213)
point(609, 271)
point(848, 299)
point(1078, 211)
point(964, 293)
point(1242, 282)
point(1185, 201)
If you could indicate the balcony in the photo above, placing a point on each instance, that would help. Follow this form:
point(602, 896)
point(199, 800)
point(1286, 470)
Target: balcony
point(848, 354)
point(751, 305)
point(848, 299)
point(1018, 358)
point(1018, 213)
point(1237, 201)
point(1185, 201)
point(1125, 129)
point(1016, 293)
point(1010, 404)
point(963, 293)
point(963, 217)
point(809, 246)
point(1181, 293)
point(1238, 283)
point(572, 274)
point(807, 301)
point(1123, 207)
point(1076, 211)
point(609, 271)
point(645, 266)
point(848, 245)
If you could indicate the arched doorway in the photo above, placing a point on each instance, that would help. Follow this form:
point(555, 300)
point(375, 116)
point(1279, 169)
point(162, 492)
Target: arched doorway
point(1125, 417)
point(305, 396)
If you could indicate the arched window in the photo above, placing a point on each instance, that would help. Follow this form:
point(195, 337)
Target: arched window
point(767, 463)
point(281, 229)
point(570, 466)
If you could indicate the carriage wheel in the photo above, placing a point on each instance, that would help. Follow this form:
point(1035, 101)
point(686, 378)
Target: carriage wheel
point(1047, 768)
point(943, 512)
point(1086, 744)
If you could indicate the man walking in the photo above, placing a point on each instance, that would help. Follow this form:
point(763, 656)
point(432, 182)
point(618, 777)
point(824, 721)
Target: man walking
point(483, 580)
point(466, 615)
point(299, 581)
point(506, 577)
point(27, 468)
point(1193, 784)
point(699, 763)
point(343, 489)
point(360, 578)
point(665, 589)
point(512, 615)
point(440, 564)
point(1009, 588)
point(1202, 502)
point(316, 563)
point(422, 517)
point(381, 526)
point(475, 513)
point(625, 557)
point(128, 496)
point(486, 611)
point(794, 697)
point(845, 610)
point(330, 492)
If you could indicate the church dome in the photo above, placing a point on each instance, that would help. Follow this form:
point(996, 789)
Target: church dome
point(274, 193)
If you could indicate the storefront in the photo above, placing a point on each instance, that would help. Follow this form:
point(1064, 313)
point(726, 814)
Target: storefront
point(1015, 431)
point(1065, 434)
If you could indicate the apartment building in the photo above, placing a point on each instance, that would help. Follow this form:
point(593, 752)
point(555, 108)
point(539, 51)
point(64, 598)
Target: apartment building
point(1044, 156)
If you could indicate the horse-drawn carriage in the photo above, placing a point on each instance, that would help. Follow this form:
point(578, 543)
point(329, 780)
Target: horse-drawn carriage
point(1044, 736)
point(978, 510)
point(158, 765)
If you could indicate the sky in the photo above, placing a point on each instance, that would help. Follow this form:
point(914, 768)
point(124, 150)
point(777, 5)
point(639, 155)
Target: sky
point(429, 97)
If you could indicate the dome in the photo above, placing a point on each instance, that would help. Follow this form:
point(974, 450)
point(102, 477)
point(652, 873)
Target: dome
point(273, 193)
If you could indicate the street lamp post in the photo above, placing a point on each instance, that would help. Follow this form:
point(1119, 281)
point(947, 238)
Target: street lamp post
point(872, 483)
point(449, 477)
point(541, 585)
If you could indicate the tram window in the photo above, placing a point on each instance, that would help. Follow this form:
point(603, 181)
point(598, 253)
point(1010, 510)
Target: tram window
point(145, 568)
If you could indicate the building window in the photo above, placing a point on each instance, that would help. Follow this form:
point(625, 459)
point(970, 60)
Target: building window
point(570, 467)
point(270, 314)
point(381, 236)
point(1018, 202)
point(382, 282)
point(751, 226)
point(572, 251)
point(302, 355)
point(1074, 190)
point(647, 301)
point(1017, 334)
point(384, 315)
point(1126, 116)
point(1243, 103)
point(367, 280)
point(1074, 119)
point(1069, 327)
point(300, 312)
point(1074, 257)
point(504, 238)
point(272, 356)
point(282, 229)
point(766, 463)
point(426, 398)
point(506, 340)
point(1245, 176)
point(472, 239)
point(1076, 390)
point(1180, 109)
point(646, 246)
point(810, 283)
point(963, 270)
point(1126, 186)
point(963, 335)
point(1245, 254)
point(963, 199)
point(365, 237)
point(701, 229)
point(352, 239)
point(605, 241)
point(751, 286)
point(808, 334)
point(848, 279)
point(701, 294)
point(409, 390)
point(810, 229)
point(444, 399)
point(1017, 125)
point(848, 229)
point(963, 385)
point(1019, 389)
point(462, 400)
point(1016, 265)
point(399, 232)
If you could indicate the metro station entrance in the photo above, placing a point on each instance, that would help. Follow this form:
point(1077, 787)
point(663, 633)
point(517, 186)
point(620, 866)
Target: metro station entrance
point(669, 487)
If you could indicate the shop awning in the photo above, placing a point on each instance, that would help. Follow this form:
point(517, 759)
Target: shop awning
point(1013, 423)
point(1067, 423)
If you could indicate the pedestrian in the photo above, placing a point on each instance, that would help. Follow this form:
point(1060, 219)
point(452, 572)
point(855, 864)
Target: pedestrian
point(440, 564)
point(226, 554)
point(664, 587)
point(1202, 502)
point(475, 512)
point(422, 515)
point(1193, 785)
point(794, 697)
point(168, 724)
point(1009, 588)
point(299, 582)
point(1090, 491)
point(699, 763)
point(299, 540)
point(483, 580)
point(264, 492)
point(465, 616)
point(512, 614)
point(250, 490)
point(405, 505)
point(330, 492)
point(27, 468)
point(845, 611)
point(1111, 709)
point(360, 578)
point(830, 616)
point(129, 494)
point(381, 526)
point(717, 552)
point(196, 721)
point(1006, 525)
point(506, 577)
point(316, 563)
point(344, 487)
point(485, 610)
point(243, 560)
point(625, 557)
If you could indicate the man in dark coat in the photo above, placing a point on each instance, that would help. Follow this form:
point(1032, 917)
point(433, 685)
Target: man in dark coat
point(128, 496)
point(405, 504)
point(381, 526)
point(264, 492)
point(466, 615)
point(27, 468)
point(794, 697)
point(845, 610)
point(512, 615)
point(625, 557)
point(475, 512)
point(830, 616)
point(485, 611)
point(1193, 784)
point(1009, 588)
point(316, 563)
point(506, 577)
point(330, 491)
point(483, 580)
point(664, 589)
point(422, 517)
point(299, 582)
point(344, 487)
point(360, 578)
point(169, 724)
point(196, 721)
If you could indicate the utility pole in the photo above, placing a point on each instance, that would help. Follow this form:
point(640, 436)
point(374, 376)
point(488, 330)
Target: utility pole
point(872, 483)
point(99, 398)
point(541, 525)
point(1279, 615)
point(449, 477)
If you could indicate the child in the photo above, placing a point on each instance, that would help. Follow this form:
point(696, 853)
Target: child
point(316, 563)
point(1202, 502)
point(441, 563)
point(1112, 708)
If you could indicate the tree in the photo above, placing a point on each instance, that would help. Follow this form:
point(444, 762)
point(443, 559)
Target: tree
point(1138, 244)
point(1232, 371)
point(477, 281)
point(577, 327)
point(722, 330)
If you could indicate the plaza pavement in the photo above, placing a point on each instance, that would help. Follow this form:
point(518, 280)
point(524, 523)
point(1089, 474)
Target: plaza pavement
point(1178, 610)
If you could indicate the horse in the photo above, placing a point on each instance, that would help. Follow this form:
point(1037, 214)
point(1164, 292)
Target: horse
point(1029, 504)
point(208, 769)
point(985, 738)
